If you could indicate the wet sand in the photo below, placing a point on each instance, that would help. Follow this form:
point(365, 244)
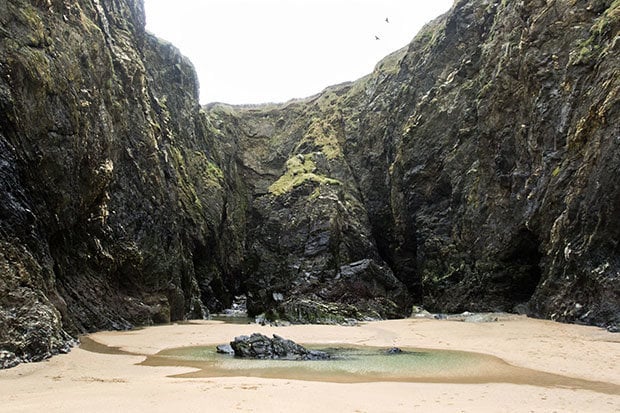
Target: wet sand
point(581, 366)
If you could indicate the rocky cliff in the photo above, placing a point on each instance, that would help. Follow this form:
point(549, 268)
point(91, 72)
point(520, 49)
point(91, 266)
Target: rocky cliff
point(113, 202)
point(473, 170)
point(476, 168)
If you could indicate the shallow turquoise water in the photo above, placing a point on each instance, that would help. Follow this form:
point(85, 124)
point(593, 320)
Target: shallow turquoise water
point(348, 364)
point(361, 364)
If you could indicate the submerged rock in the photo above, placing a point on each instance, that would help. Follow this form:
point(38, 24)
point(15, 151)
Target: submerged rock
point(259, 346)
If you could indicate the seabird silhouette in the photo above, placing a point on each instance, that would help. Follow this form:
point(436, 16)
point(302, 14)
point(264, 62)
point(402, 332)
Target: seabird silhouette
point(387, 20)
point(377, 37)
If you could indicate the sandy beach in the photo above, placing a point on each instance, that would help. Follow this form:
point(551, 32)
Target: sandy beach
point(95, 382)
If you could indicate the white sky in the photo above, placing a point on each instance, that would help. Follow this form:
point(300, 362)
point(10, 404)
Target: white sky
point(258, 51)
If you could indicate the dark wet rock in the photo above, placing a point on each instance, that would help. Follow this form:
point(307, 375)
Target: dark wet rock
point(308, 311)
point(475, 167)
point(238, 308)
point(111, 198)
point(225, 349)
point(259, 346)
point(8, 359)
point(264, 319)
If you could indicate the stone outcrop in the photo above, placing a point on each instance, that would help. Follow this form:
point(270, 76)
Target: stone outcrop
point(309, 241)
point(259, 346)
point(475, 169)
point(113, 202)
point(504, 172)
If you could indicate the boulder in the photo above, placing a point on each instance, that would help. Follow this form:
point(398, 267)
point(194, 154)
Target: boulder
point(225, 349)
point(259, 346)
point(481, 318)
point(419, 312)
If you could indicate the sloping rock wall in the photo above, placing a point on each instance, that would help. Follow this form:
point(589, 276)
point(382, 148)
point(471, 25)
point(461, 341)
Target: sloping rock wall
point(111, 196)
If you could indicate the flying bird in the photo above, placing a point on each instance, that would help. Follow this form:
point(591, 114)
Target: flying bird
point(387, 20)
point(377, 37)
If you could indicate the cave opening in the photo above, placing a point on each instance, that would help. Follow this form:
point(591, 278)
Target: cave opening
point(214, 294)
point(522, 260)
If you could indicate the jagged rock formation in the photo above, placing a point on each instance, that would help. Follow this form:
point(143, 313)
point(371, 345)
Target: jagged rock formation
point(505, 169)
point(474, 170)
point(481, 160)
point(311, 254)
point(112, 199)
point(259, 346)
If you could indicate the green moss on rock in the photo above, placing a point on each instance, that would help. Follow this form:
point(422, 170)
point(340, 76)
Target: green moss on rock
point(299, 169)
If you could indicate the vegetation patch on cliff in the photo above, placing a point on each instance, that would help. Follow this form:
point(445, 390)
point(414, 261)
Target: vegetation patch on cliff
point(299, 169)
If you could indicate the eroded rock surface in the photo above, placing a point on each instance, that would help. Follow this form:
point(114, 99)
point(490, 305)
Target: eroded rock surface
point(473, 170)
point(476, 169)
point(112, 202)
point(259, 346)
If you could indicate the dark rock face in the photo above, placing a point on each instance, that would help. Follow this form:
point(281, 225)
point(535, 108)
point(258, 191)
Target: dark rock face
point(503, 172)
point(259, 346)
point(308, 234)
point(111, 197)
point(477, 166)
point(473, 170)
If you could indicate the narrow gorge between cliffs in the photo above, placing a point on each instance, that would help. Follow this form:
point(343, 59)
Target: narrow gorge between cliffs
point(473, 170)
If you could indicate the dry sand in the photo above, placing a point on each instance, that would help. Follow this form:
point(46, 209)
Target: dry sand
point(85, 381)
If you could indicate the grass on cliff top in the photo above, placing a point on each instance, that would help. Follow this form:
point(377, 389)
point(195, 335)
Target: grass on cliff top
point(299, 169)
